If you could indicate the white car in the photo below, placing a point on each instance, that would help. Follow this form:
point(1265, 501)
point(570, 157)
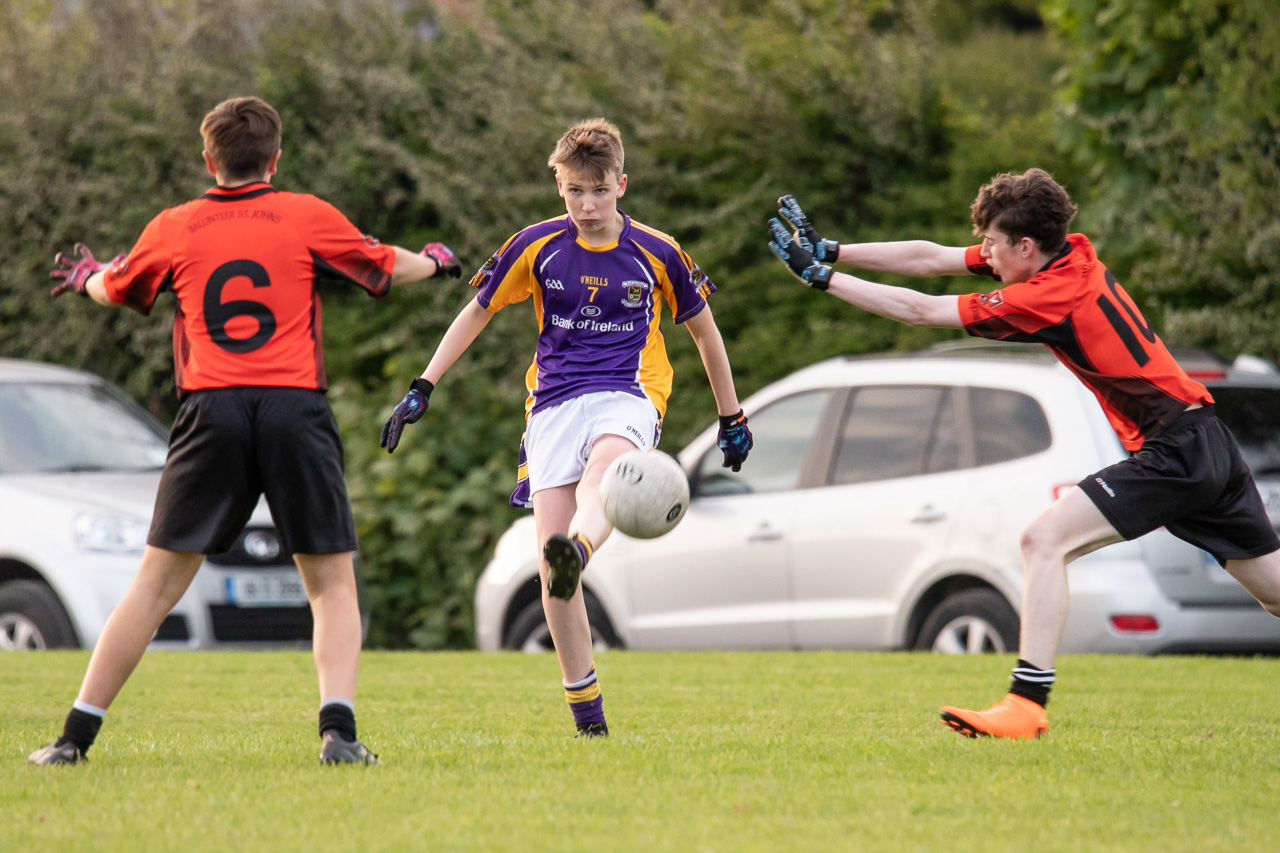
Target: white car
point(881, 508)
point(79, 467)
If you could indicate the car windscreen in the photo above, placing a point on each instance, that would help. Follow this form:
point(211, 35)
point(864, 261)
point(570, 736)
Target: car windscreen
point(74, 427)
point(1253, 416)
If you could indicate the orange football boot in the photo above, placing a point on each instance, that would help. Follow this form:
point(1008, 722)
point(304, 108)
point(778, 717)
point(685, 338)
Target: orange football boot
point(1012, 717)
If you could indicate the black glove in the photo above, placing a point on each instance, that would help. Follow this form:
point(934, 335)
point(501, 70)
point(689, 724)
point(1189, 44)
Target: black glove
point(824, 251)
point(407, 411)
point(797, 253)
point(735, 440)
point(447, 262)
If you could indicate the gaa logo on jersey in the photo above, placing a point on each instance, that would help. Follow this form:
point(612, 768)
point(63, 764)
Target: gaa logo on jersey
point(994, 299)
point(633, 293)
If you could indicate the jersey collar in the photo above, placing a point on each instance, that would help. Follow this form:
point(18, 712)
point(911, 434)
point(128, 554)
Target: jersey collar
point(240, 193)
point(1062, 253)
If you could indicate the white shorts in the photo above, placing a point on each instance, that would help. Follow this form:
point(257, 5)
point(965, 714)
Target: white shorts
point(557, 440)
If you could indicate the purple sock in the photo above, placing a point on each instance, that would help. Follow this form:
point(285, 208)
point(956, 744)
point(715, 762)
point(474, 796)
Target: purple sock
point(585, 700)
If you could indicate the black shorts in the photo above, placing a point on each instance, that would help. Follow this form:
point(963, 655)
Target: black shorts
point(1191, 480)
point(231, 445)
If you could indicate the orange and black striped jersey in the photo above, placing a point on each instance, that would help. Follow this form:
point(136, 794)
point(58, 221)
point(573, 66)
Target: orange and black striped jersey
point(244, 264)
point(1075, 306)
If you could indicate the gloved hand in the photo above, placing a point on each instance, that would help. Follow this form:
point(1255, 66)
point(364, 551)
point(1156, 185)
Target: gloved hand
point(447, 262)
point(824, 251)
point(75, 273)
point(735, 440)
point(797, 253)
point(407, 411)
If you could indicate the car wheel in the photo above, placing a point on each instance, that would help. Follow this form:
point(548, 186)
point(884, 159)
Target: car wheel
point(529, 632)
point(32, 618)
point(970, 622)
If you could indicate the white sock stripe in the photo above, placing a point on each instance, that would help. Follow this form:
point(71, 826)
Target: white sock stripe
point(1036, 676)
point(578, 685)
point(338, 700)
point(89, 709)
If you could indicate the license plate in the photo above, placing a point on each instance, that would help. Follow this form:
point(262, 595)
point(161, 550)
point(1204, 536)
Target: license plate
point(255, 590)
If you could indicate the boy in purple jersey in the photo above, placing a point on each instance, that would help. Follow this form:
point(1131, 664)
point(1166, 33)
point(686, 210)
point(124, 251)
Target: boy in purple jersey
point(600, 378)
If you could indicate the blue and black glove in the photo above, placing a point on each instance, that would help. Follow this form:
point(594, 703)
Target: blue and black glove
point(797, 253)
point(735, 440)
point(824, 251)
point(407, 411)
point(447, 262)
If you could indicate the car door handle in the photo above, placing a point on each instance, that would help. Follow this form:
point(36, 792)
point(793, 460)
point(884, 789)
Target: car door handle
point(928, 515)
point(765, 533)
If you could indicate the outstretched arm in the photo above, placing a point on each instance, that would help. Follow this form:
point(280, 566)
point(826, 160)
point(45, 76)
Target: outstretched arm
point(434, 259)
point(706, 337)
point(919, 258)
point(464, 329)
point(83, 274)
point(897, 303)
point(734, 438)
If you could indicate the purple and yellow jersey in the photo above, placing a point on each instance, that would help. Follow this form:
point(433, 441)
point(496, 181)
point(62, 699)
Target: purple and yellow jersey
point(598, 307)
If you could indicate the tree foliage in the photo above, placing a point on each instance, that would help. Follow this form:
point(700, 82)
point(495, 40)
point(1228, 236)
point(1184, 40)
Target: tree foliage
point(1172, 109)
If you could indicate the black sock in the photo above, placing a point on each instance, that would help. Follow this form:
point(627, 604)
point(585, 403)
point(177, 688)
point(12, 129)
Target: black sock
point(1031, 683)
point(338, 718)
point(81, 729)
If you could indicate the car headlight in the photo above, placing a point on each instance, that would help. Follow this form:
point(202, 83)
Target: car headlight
point(111, 533)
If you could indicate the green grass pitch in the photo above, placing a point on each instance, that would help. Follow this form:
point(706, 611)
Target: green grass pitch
point(710, 751)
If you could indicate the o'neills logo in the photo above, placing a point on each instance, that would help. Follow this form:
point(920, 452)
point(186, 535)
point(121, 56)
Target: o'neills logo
point(1105, 487)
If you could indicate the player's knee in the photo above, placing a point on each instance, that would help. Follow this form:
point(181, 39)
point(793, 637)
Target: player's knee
point(1039, 542)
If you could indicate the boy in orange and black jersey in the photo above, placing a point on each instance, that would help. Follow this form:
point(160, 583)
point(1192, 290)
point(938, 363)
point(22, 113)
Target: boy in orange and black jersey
point(244, 262)
point(1184, 472)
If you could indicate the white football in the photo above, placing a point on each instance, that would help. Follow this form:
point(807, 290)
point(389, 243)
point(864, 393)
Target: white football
point(645, 493)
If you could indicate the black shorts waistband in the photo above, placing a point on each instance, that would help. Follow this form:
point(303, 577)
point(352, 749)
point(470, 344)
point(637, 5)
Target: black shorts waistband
point(1189, 417)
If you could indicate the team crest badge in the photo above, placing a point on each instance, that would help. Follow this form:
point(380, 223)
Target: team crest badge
point(994, 299)
point(371, 241)
point(633, 293)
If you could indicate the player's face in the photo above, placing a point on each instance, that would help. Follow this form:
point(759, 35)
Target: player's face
point(1013, 261)
point(592, 202)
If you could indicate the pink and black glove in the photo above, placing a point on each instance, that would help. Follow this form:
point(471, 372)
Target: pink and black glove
point(75, 273)
point(447, 262)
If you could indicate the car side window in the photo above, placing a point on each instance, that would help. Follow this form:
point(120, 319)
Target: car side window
point(782, 431)
point(896, 431)
point(1006, 425)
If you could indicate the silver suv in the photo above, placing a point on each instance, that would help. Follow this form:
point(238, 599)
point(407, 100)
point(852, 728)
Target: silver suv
point(79, 467)
point(882, 508)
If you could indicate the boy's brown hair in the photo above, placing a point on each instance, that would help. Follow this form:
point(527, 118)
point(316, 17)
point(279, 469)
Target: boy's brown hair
point(241, 135)
point(592, 148)
point(1031, 205)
